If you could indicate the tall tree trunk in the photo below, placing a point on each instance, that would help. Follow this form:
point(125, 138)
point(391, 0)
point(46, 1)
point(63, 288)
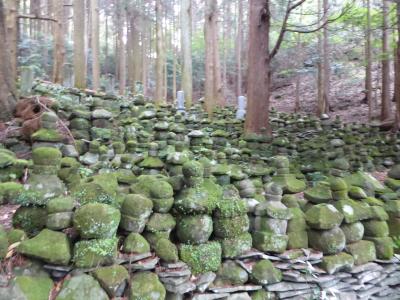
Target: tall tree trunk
point(121, 13)
point(213, 84)
point(320, 82)
point(8, 95)
point(298, 82)
point(79, 43)
point(159, 99)
point(95, 41)
point(258, 91)
point(239, 43)
point(12, 34)
point(385, 107)
point(326, 63)
point(368, 58)
point(59, 48)
point(397, 73)
point(186, 46)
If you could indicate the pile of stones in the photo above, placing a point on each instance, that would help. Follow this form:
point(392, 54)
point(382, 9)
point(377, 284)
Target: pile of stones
point(143, 202)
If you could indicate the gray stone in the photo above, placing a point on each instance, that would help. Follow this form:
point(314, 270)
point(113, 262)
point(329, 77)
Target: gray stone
point(204, 281)
point(239, 296)
point(209, 296)
point(89, 158)
point(101, 114)
point(181, 289)
point(288, 286)
point(233, 289)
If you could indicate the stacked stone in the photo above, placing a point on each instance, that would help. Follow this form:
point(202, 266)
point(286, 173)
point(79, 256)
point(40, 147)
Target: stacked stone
point(101, 125)
point(80, 124)
point(60, 213)
point(11, 168)
point(220, 140)
point(296, 227)
point(393, 209)
point(231, 224)
point(161, 131)
point(175, 161)
point(195, 204)
point(325, 234)
point(196, 140)
point(47, 135)
point(92, 156)
point(152, 164)
point(270, 223)
point(289, 183)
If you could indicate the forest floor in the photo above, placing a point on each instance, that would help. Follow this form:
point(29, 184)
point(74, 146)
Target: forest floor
point(347, 95)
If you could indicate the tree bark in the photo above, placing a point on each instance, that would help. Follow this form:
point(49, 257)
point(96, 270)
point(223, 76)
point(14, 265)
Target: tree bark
point(8, 95)
point(385, 107)
point(258, 91)
point(159, 95)
point(95, 41)
point(368, 58)
point(59, 48)
point(121, 13)
point(186, 46)
point(12, 34)
point(326, 63)
point(320, 71)
point(239, 43)
point(397, 73)
point(79, 43)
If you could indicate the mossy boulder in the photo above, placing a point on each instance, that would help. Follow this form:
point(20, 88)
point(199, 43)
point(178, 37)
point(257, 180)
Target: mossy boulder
point(96, 221)
point(136, 205)
point(264, 272)
point(353, 232)
point(25, 287)
point(236, 246)
point(91, 192)
point(30, 219)
point(160, 222)
point(50, 246)
point(394, 172)
point(323, 216)
point(194, 229)
point(135, 243)
point(289, 183)
point(9, 191)
point(230, 207)
point(146, 285)
point(297, 222)
point(201, 258)
point(162, 196)
point(297, 240)
point(337, 262)
point(393, 208)
point(15, 235)
point(320, 193)
point(60, 204)
point(112, 279)
point(375, 228)
point(353, 211)
point(166, 251)
point(231, 227)
point(362, 252)
point(47, 135)
point(263, 295)
point(379, 213)
point(384, 247)
point(96, 252)
point(270, 242)
point(357, 193)
point(3, 243)
point(195, 200)
point(47, 156)
point(273, 209)
point(81, 287)
point(328, 241)
point(230, 273)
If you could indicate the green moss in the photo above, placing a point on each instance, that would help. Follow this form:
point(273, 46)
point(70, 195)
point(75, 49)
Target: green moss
point(50, 246)
point(91, 253)
point(135, 243)
point(328, 241)
point(60, 204)
point(297, 240)
point(194, 229)
point(166, 251)
point(269, 242)
point(16, 235)
point(10, 191)
point(160, 222)
point(137, 206)
point(30, 198)
point(111, 278)
point(227, 208)
point(231, 227)
point(230, 273)
point(47, 135)
point(3, 243)
point(30, 219)
point(233, 247)
point(193, 169)
point(96, 221)
point(353, 231)
point(338, 262)
point(34, 288)
point(374, 228)
point(323, 216)
point(201, 258)
point(146, 286)
point(264, 272)
point(91, 192)
point(320, 193)
point(362, 252)
point(47, 156)
point(151, 162)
